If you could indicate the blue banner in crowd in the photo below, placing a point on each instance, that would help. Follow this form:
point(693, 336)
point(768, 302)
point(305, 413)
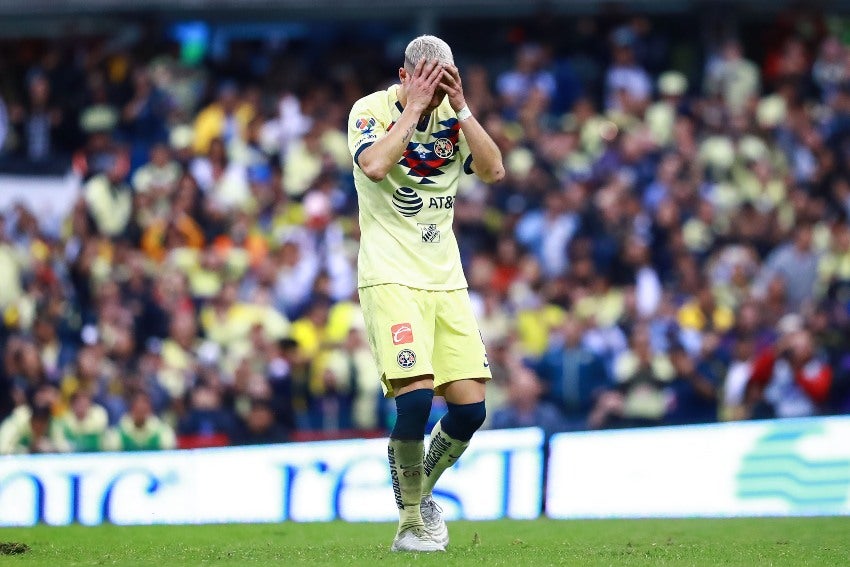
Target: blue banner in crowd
point(500, 476)
point(794, 467)
point(788, 467)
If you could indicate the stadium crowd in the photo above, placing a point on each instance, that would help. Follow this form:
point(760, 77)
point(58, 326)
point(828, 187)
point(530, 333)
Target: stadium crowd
point(667, 247)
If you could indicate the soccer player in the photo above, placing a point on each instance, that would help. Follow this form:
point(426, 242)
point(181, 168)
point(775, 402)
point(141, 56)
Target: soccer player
point(411, 143)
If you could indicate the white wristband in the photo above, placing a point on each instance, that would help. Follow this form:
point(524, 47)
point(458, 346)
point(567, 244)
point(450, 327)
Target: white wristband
point(464, 113)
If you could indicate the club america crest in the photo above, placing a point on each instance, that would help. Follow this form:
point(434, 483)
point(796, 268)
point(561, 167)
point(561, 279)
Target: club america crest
point(444, 148)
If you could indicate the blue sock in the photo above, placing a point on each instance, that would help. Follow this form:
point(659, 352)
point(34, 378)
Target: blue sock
point(463, 420)
point(412, 411)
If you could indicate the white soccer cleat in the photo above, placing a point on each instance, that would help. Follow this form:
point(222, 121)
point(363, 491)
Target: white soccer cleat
point(432, 516)
point(416, 539)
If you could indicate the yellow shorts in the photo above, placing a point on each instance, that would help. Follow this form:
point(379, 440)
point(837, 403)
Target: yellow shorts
point(414, 332)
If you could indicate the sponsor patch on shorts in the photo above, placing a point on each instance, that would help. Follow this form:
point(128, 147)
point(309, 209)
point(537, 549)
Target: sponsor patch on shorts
point(406, 359)
point(402, 333)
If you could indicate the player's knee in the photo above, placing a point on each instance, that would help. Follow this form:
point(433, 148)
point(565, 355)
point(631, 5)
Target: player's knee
point(474, 415)
point(412, 411)
point(463, 420)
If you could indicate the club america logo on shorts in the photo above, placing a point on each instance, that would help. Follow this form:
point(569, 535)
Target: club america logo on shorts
point(406, 359)
point(444, 148)
point(407, 202)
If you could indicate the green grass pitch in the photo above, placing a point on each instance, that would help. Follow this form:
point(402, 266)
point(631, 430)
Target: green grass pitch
point(745, 542)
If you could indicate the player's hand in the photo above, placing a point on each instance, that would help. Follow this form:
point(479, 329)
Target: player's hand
point(452, 85)
point(420, 86)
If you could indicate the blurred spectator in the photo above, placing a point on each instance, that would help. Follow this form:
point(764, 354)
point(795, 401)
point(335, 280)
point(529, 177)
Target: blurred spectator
point(207, 416)
point(790, 379)
point(108, 197)
point(179, 351)
point(159, 175)
point(144, 116)
point(12, 265)
point(641, 375)
point(226, 118)
point(55, 354)
point(286, 373)
point(524, 407)
point(661, 115)
point(164, 235)
point(830, 68)
point(82, 428)
point(346, 397)
point(140, 429)
point(737, 378)
point(732, 78)
point(528, 82)
point(308, 158)
point(547, 233)
point(476, 86)
point(228, 322)
point(296, 273)
point(224, 182)
point(37, 121)
point(834, 266)
point(253, 150)
point(693, 395)
point(627, 85)
point(95, 375)
point(24, 371)
point(574, 376)
point(704, 314)
point(260, 426)
point(795, 265)
point(648, 292)
point(27, 429)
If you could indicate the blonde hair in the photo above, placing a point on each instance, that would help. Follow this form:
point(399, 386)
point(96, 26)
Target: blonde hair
point(427, 47)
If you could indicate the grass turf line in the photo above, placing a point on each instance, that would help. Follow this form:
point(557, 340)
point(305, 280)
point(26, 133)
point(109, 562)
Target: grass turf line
point(760, 541)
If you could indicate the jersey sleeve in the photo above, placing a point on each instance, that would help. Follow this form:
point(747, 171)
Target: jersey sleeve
point(365, 126)
point(465, 154)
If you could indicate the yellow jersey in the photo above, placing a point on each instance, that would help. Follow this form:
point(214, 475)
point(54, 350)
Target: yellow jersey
point(406, 218)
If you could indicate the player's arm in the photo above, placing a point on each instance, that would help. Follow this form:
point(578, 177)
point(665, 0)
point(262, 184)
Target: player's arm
point(377, 160)
point(486, 157)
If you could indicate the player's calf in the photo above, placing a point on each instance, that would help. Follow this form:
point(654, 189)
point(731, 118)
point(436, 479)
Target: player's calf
point(405, 455)
point(449, 439)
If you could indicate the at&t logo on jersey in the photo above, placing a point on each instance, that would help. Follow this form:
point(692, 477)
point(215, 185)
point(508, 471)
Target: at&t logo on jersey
point(406, 359)
point(402, 333)
point(407, 202)
point(447, 202)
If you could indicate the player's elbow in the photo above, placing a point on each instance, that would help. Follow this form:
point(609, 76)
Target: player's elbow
point(373, 170)
point(375, 175)
point(493, 174)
